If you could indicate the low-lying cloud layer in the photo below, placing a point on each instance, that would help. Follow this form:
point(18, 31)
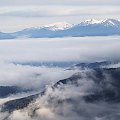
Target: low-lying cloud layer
point(80, 49)
point(30, 77)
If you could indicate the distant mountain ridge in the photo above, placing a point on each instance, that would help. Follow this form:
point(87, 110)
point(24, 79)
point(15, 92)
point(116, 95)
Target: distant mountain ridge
point(107, 27)
point(6, 91)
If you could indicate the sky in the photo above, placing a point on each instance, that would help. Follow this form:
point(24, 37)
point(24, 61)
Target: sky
point(59, 2)
point(19, 14)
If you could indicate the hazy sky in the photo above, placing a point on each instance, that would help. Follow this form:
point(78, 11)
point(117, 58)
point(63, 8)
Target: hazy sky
point(19, 14)
point(59, 2)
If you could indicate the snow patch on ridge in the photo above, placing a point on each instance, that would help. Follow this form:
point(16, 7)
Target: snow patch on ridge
point(58, 26)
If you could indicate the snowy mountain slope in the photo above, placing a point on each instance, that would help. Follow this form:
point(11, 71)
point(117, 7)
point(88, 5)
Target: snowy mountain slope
point(58, 26)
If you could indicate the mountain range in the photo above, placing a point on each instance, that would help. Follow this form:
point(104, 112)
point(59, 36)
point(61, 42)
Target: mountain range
point(107, 27)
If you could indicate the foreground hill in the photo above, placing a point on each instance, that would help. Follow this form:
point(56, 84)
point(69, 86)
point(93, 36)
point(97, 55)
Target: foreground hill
point(91, 85)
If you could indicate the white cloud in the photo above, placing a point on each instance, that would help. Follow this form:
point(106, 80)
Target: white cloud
point(37, 77)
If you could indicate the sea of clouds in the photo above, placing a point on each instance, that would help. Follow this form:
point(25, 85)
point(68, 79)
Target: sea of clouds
point(86, 49)
point(80, 49)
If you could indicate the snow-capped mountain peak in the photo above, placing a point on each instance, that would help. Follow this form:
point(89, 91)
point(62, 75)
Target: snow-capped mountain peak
point(111, 22)
point(105, 22)
point(58, 26)
point(90, 21)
